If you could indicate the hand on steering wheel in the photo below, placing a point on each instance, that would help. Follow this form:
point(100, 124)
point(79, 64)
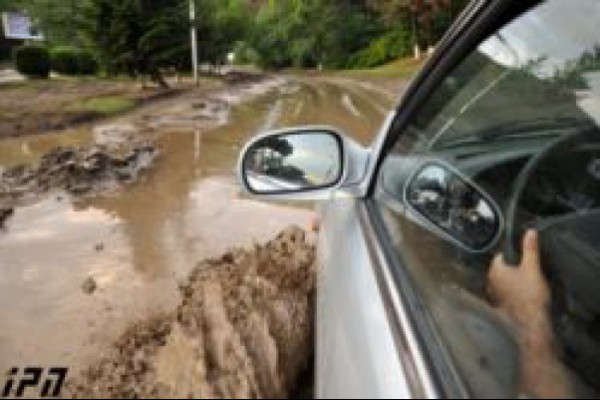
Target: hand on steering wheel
point(523, 295)
point(521, 292)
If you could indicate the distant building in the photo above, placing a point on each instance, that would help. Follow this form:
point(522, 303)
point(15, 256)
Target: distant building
point(15, 29)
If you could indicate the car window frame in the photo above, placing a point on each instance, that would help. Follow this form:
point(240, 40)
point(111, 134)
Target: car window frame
point(479, 21)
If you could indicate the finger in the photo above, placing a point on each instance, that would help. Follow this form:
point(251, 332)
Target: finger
point(498, 267)
point(531, 251)
point(315, 224)
point(497, 264)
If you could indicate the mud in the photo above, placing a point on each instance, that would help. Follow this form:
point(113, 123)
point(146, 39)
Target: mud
point(38, 107)
point(243, 329)
point(5, 213)
point(139, 244)
point(243, 77)
point(78, 171)
point(89, 286)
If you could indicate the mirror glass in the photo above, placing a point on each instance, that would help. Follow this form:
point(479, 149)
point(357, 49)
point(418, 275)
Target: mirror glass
point(293, 162)
point(455, 206)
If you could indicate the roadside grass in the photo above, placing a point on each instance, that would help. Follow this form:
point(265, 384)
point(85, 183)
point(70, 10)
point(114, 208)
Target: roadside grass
point(401, 68)
point(38, 106)
point(105, 105)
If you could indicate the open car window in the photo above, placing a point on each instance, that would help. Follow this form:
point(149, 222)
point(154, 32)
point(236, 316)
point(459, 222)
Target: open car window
point(510, 141)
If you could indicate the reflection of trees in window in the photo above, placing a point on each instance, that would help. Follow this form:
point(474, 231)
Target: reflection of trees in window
point(275, 150)
point(572, 76)
point(269, 154)
point(590, 60)
point(279, 145)
point(269, 159)
point(485, 94)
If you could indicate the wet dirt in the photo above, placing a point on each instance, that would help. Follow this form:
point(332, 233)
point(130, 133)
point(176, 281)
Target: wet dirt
point(78, 171)
point(138, 245)
point(5, 213)
point(41, 106)
point(38, 107)
point(242, 330)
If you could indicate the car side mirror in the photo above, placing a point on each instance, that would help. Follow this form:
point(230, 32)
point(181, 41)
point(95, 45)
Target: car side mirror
point(303, 163)
point(455, 207)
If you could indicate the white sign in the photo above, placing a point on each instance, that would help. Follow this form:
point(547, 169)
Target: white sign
point(18, 25)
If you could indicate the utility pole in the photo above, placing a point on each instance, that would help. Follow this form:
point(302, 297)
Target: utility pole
point(194, 37)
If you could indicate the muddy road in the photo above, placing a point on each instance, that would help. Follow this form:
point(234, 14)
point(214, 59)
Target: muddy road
point(76, 272)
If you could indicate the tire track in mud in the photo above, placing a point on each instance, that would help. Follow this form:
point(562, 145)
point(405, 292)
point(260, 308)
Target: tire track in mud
point(336, 103)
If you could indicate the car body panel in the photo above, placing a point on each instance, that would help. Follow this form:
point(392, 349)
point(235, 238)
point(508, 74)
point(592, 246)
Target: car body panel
point(366, 342)
point(357, 355)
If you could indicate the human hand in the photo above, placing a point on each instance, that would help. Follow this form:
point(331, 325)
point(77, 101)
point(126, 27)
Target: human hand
point(521, 292)
point(315, 224)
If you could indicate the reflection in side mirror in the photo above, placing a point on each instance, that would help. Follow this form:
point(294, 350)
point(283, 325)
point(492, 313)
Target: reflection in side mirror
point(293, 161)
point(457, 207)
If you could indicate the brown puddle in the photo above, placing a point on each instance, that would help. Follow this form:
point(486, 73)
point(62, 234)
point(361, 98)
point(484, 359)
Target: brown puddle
point(141, 243)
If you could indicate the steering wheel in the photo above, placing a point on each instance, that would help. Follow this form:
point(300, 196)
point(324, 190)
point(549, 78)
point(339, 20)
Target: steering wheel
point(569, 231)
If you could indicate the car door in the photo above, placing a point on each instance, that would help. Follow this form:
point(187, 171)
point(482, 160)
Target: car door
point(500, 137)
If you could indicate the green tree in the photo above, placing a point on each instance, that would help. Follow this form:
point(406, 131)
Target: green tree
point(221, 24)
point(428, 19)
point(309, 33)
point(59, 20)
point(143, 37)
point(138, 37)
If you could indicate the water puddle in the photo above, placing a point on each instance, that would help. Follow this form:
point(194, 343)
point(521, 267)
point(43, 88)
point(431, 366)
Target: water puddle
point(139, 243)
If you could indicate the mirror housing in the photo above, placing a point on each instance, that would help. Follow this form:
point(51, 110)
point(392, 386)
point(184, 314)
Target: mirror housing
point(302, 163)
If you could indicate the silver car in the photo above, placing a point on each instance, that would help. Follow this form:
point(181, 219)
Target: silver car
point(499, 134)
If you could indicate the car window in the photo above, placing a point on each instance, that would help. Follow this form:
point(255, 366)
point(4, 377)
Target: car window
point(510, 141)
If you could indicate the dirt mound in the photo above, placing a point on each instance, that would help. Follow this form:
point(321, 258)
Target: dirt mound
point(5, 213)
point(242, 330)
point(77, 171)
point(242, 77)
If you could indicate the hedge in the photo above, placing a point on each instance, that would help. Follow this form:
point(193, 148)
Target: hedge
point(67, 60)
point(63, 60)
point(86, 63)
point(387, 48)
point(32, 61)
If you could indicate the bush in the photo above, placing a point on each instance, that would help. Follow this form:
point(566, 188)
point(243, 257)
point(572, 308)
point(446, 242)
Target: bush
point(391, 46)
point(32, 61)
point(63, 60)
point(86, 63)
point(73, 61)
point(6, 49)
point(245, 54)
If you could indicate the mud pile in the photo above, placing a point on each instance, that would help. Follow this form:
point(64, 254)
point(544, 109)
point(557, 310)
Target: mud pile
point(243, 77)
point(5, 213)
point(242, 330)
point(77, 171)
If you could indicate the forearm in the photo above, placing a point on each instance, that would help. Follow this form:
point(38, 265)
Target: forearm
point(543, 375)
